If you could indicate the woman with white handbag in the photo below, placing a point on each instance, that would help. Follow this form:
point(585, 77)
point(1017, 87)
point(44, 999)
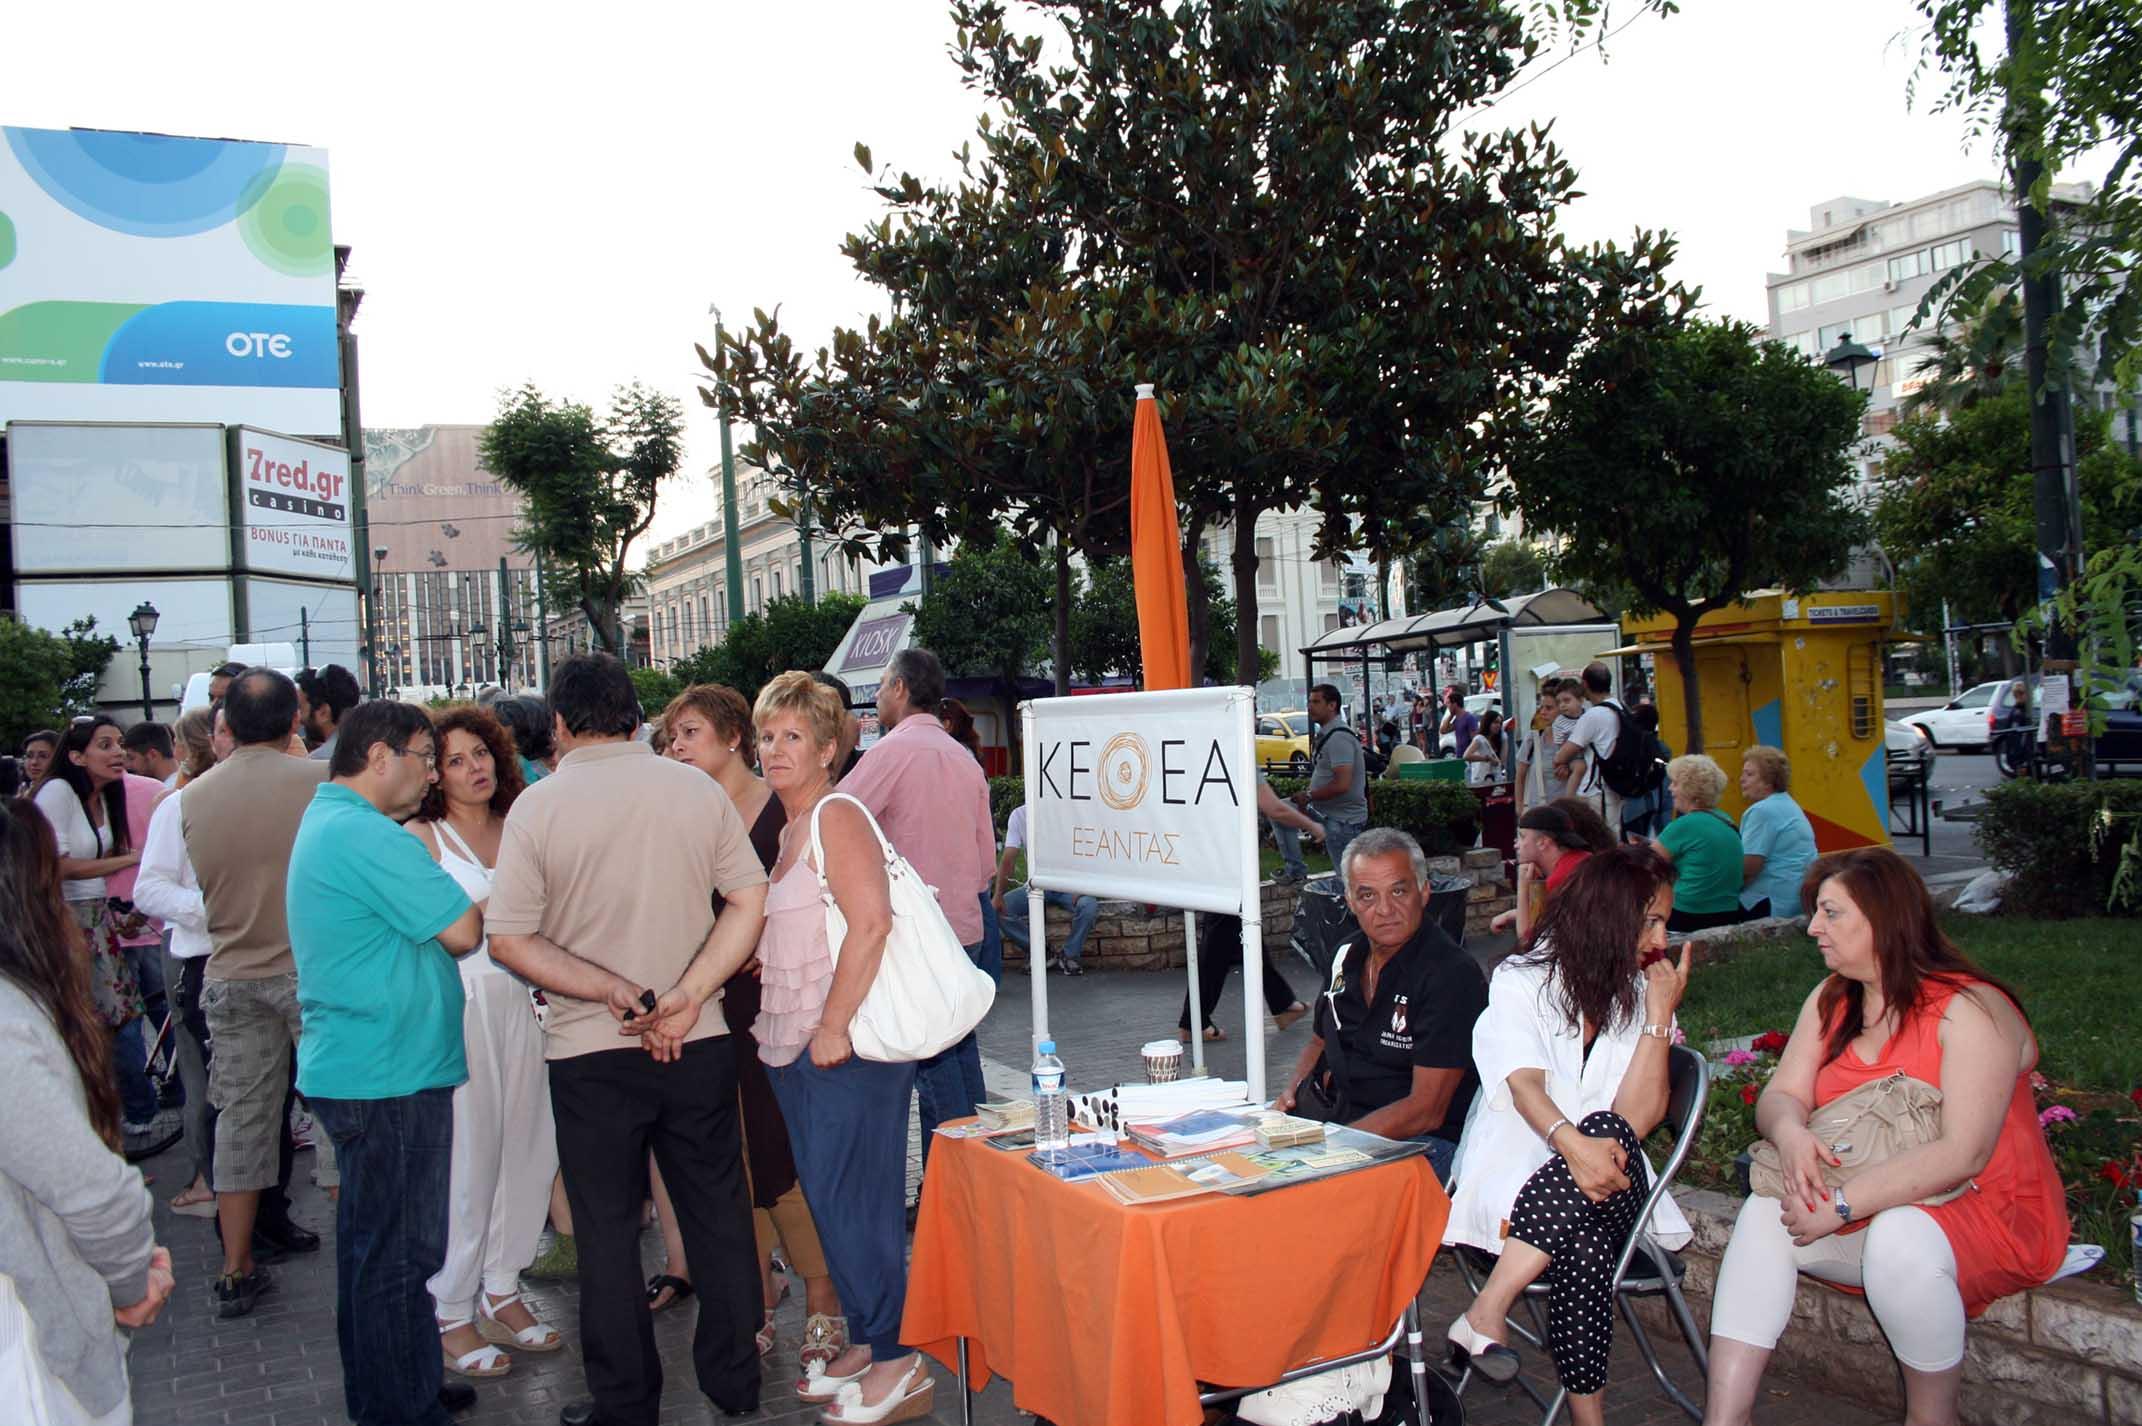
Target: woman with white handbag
point(846, 959)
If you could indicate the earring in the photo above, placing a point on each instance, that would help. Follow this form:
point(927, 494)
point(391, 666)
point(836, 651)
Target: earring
point(732, 750)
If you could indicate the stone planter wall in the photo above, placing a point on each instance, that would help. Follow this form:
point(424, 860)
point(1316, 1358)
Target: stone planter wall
point(2067, 1352)
point(1130, 937)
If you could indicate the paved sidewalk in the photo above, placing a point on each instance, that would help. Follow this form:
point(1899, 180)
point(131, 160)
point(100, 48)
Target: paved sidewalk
point(279, 1367)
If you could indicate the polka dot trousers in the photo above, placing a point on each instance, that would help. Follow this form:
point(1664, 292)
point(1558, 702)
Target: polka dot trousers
point(1582, 1239)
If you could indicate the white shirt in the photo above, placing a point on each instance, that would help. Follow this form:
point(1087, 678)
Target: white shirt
point(1015, 829)
point(79, 840)
point(1596, 732)
point(165, 886)
point(1523, 1028)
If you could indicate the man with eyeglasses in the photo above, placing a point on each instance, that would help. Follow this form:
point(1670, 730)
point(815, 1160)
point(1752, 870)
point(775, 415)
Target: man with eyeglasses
point(375, 925)
point(239, 820)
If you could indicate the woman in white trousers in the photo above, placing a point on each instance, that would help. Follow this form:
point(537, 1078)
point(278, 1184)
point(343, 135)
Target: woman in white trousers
point(505, 1149)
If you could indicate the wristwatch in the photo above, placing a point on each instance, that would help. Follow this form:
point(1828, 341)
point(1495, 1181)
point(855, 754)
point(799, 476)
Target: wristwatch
point(1841, 1204)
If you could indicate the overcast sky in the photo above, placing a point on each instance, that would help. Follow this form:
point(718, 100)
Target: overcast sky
point(555, 195)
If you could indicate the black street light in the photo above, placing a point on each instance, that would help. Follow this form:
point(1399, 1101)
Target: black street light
point(1848, 359)
point(142, 623)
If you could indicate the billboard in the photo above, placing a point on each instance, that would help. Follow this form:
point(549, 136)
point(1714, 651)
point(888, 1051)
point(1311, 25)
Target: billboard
point(432, 505)
point(153, 278)
point(294, 502)
point(92, 498)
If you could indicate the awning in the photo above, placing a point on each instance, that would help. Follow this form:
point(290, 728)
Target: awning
point(1464, 624)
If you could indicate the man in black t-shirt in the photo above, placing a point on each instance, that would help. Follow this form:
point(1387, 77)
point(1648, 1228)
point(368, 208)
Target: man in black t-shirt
point(1393, 1048)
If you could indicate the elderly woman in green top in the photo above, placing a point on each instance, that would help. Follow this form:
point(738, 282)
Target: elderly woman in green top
point(1703, 844)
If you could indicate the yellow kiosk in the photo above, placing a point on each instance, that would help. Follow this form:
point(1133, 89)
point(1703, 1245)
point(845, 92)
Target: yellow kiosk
point(1801, 673)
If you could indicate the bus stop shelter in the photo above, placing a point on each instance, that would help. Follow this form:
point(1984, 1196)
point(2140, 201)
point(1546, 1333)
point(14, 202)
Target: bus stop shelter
point(1483, 620)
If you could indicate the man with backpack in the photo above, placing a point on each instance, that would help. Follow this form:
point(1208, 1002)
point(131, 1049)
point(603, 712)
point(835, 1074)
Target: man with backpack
point(1338, 777)
point(1607, 758)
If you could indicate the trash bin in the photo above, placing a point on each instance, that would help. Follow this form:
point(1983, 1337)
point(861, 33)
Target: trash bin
point(1323, 922)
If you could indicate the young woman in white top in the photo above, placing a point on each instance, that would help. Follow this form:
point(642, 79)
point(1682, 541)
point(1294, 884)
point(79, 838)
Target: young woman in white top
point(505, 1147)
point(84, 798)
point(1483, 756)
point(1572, 1053)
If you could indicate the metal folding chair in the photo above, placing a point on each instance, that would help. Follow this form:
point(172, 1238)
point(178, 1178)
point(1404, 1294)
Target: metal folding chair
point(1656, 1273)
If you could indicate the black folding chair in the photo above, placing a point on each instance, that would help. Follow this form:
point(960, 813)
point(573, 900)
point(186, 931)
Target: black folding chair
point(1655, 1273)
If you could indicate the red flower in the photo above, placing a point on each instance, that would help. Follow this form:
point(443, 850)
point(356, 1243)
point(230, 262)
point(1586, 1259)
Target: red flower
point(2115, 1175)
point(2135, 1094)
point(1769, 1042)
point(1749, 1093)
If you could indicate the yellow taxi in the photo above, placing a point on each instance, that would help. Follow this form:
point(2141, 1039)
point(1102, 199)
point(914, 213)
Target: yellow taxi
point(1283, 743)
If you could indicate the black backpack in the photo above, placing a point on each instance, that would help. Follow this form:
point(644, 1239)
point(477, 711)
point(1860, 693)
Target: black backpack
point(1633, 769)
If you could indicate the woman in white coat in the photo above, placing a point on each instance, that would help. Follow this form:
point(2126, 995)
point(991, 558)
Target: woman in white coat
point(1572, 1054)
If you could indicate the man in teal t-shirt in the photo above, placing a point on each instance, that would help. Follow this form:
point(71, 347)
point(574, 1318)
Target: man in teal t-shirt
point(375, 925)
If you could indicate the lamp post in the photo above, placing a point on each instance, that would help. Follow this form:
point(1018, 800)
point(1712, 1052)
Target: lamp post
point(476, 631)
point(143, 623)
point(1848, 359)
point(371, 624)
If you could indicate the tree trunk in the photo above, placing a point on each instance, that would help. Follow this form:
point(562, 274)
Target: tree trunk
point(1245, 566)
point(1684, 659)
point(1199, 608)
point(1063, 616)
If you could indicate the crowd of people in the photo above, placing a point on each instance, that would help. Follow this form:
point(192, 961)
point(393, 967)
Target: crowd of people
point(479, 944)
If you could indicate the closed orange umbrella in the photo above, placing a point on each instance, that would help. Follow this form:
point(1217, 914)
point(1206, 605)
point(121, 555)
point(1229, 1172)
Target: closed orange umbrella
point(1157, 554)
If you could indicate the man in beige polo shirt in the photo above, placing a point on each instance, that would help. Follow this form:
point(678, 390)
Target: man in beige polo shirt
point(239, 821)
point(603, 897)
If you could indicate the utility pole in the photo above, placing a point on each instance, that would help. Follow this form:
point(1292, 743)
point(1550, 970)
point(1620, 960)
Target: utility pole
point(304, 625)
point(505, 629)
point(807, 585)
point(542, 626)
point(732, 537)
point(2055, 502)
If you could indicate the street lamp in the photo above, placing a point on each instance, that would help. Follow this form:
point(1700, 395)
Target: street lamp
point(1848, 359)
point(142, 622)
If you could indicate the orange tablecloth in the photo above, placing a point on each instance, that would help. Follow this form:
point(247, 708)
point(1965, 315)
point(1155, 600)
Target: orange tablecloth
point(1107, 1315)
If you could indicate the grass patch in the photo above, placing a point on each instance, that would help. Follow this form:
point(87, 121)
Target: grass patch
point(2076, 978)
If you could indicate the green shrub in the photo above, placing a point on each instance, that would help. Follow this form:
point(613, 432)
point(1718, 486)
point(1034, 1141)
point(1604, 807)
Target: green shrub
point(2061, 845)
point(1443, 817)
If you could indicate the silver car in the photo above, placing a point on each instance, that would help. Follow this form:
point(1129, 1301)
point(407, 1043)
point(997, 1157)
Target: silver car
point(1909, 750)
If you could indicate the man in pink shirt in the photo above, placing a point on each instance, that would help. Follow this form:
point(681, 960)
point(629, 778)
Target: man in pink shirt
point(929, 795)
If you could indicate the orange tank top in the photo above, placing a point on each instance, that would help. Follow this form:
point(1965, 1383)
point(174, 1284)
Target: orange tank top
point(2010, 1232)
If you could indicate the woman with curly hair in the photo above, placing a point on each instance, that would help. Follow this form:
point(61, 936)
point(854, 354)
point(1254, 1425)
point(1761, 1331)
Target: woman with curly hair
point(1572, 1053)
point(82, 1258)
point(505, 1148)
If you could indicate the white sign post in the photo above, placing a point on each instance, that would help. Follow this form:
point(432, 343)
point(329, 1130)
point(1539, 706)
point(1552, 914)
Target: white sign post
point(1149, 797)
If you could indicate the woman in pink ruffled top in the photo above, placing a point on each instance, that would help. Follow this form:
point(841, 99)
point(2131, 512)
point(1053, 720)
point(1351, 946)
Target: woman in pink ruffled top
point(847, 1117)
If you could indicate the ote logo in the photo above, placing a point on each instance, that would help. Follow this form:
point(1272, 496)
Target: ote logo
point(258, 344)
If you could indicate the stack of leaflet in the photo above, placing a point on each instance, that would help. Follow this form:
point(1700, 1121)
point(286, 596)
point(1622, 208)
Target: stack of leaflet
point(1150, 1103)
point(1282, 1131)
point(998, 1114)
point(1201, 1131)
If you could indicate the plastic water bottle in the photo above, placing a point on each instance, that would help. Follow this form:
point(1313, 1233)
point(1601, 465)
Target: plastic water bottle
point(1052, 1102)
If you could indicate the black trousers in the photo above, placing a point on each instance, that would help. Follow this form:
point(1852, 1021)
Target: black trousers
point(611, 1108)
point(1582, 1239)
point(1219, 950)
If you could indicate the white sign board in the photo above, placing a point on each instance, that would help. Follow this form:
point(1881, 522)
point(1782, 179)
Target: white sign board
point(1144, 796)
point(96, 499)
point(294, 501)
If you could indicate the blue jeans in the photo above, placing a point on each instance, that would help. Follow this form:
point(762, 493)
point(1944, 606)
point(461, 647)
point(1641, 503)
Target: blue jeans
point(1336, 836)
point(1084, 912)
point(1290, 851)
point(1441, 1153)
point(949, 1083)
point(130, 1063)
point(848, 1131)
point(396, 1158)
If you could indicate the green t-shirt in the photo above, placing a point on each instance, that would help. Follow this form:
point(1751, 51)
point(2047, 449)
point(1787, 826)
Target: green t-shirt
point(380, 997)
point(1706, 850)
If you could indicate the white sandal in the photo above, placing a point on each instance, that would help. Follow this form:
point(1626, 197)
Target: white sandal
point(538, 1337)
point(482, 1364)
point(906, 1401)
point(820, 1386)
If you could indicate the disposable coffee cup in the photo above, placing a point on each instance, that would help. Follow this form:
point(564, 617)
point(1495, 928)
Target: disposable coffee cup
point(1163, 1061)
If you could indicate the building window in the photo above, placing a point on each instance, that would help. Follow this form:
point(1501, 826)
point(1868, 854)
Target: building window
point(2011, 242)
point(1331, 621)
point(1328, 576)
point(1268, 631)
point(758, 593)
point(777, 584)
point(1267, 565)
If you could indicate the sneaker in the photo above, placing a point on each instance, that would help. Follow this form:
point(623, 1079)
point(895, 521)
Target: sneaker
point(301, 1130)
point(236, 1295)
point(1287, 877)
point(1070, 967)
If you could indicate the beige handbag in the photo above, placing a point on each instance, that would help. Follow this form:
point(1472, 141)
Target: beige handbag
point(1879, 1120)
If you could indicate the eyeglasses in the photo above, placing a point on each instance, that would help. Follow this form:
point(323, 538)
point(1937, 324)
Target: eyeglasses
point(431, 760)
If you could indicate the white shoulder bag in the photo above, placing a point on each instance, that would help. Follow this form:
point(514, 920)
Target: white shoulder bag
point(927, 994)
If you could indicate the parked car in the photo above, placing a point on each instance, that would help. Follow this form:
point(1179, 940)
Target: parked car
point(1283, 741)
point(1961, 722)
point(2118, 745)
point(1909, 751)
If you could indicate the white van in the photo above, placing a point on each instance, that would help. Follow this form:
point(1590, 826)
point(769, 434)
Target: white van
point(283, 658)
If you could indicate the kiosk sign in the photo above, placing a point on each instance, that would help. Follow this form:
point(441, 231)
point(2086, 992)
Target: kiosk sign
point(1143, 796)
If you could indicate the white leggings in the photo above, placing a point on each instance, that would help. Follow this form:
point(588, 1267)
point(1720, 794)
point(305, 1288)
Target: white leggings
point(1902, 1260)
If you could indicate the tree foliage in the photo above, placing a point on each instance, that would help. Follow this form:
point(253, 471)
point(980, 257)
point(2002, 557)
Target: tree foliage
point(2073, 82)
point(787, 634)
point(987, 615)
point(1104, 627)
point(1690, 465)
point(1954, 506)
point(588, 487)
point(46, 679)
point(1273, 212)
point(1512, 567)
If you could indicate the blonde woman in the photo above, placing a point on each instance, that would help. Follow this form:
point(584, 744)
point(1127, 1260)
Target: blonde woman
point(1704, 846)
point(709, 726)
point(847, 1117)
